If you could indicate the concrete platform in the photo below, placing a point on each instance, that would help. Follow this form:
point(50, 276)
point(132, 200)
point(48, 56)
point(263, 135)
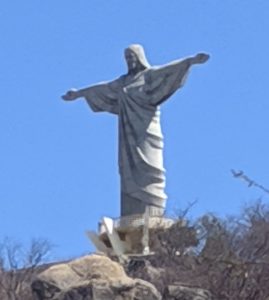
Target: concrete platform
point(128, 235)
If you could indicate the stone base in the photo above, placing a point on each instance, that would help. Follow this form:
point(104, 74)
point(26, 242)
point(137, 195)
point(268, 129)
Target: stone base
point(128, 235)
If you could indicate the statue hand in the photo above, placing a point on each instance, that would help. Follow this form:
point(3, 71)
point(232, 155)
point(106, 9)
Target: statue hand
point(71, 95)
point(201, 58)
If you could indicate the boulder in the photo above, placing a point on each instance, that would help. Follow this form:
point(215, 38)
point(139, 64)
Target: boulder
point(92, 277)
point(183, 292)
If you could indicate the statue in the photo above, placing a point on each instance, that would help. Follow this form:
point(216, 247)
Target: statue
point(135, 98)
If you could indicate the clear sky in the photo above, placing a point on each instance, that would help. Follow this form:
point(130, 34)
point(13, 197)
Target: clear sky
point(58, 162)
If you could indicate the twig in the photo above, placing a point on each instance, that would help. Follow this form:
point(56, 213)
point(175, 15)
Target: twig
point(250, 182)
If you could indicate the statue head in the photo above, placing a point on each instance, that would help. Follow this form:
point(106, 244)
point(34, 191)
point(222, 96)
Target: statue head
point(135, 58)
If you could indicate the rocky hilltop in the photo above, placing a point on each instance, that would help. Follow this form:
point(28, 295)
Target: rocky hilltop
point(96, 277)
point(211, 259)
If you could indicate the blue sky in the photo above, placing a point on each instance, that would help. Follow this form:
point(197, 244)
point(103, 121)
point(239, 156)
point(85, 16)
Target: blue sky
point(58, 162)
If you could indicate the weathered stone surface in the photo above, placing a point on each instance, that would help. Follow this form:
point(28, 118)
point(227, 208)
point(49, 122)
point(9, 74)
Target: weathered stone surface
point(181, 292)
point(92, 277)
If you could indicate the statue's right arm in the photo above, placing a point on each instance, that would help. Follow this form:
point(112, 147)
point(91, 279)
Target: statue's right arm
point(109, 89)
point(100, 97)
point(74, 94)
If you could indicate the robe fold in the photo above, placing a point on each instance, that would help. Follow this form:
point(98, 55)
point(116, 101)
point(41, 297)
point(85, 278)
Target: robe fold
point(136, 99)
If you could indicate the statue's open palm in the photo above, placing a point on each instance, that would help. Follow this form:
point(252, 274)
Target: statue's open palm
point(71, 95)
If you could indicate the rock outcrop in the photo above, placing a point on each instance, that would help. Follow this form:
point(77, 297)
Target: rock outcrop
point(92, 277)
point(97, 277)
point(152, 277)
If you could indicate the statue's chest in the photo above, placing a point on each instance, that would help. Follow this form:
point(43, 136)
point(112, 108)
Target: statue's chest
point(134, 84)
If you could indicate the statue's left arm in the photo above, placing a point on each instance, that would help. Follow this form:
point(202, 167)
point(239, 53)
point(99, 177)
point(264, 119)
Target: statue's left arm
point(163, 81)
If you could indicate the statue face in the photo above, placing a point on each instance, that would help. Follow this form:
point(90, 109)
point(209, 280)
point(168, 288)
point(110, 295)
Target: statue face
point(131, 59)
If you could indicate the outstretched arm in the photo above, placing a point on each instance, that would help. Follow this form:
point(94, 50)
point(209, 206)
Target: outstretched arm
point(74, 94)
point(200, 58)
point(163, 81)
point(100, 97)
point(183, 64)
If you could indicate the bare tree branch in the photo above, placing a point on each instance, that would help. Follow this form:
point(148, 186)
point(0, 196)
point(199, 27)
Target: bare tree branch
point(18, 266)
point(250, 182)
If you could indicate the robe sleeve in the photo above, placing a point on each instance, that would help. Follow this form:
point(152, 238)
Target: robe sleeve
point(102, 97)
point(163, 81)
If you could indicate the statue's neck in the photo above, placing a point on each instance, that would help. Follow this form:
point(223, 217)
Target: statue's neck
point(132, 76)
point(135, 71)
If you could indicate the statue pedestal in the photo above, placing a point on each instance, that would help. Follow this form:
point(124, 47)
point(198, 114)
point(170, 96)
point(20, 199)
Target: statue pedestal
point(128, 235)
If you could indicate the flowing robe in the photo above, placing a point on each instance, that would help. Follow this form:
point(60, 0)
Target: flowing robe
point(136, 99)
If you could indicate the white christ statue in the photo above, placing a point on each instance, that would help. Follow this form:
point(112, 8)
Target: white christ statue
point(135, 98)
